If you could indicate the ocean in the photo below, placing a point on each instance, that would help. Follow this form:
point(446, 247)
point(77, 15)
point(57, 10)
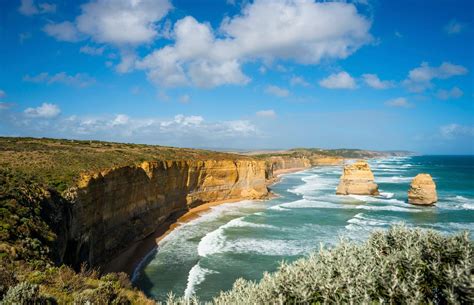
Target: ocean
point(249, 238)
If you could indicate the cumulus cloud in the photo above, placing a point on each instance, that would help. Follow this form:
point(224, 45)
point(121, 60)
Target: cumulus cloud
point(124, 24)
point(454, 27)
point(63, 31)
point(454, 93)
point(45, 111)
point(78, 80)
point(420, 79)
point(341, 80)
point(270, 113)
point(30, 8)
point(299, 81)
point(399, 102)
point(302, 31)
point(277, 91)
point(452, 131)
point(372, 80)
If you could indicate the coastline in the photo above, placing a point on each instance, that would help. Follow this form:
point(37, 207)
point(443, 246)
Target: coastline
point(130, 259)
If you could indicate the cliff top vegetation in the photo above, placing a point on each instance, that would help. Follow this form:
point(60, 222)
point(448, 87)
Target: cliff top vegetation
point(56, 163)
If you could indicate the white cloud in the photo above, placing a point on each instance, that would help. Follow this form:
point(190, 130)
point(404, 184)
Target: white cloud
point(192, 130)
point(399, 102)
point(122, 22)
point(374, 81)
point(45, 111)
point(94, 51)
point(452, 131)
point(341, 80)
point(302, 31)
point(277, 91)
point(299, 80)
point(120, 119)
point(205, 74)
point(266, 113)
point(79, 80)
point(185, 98)
point(454, 27)
point(398, 34)
point(2, 94)
point(454, 93)
point(29, 8)
point(63, 31)
point(419, 79)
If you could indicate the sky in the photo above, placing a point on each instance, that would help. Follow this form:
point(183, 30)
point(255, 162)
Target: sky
point(230, 74)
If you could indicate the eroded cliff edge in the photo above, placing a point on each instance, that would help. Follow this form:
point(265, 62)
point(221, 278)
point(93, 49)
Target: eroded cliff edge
point(115, 208)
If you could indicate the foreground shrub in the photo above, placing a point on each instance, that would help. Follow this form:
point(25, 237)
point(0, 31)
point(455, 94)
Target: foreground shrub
point(399, 266)
point(22, 294)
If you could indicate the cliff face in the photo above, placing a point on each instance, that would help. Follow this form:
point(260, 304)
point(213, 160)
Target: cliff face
point(322, 160)
point(115, 208)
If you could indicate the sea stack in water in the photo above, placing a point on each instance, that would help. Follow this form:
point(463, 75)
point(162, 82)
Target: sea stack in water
point(357, 179)
point(422, 190)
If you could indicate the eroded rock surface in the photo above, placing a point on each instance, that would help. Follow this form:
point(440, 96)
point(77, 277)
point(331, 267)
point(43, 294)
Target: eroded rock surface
point(357, 179)
point(422, 190)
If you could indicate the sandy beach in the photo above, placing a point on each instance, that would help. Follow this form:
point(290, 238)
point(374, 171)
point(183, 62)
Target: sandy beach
point(129, 260)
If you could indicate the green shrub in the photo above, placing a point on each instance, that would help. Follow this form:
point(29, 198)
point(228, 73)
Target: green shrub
point(22, 294)
point(399, 266)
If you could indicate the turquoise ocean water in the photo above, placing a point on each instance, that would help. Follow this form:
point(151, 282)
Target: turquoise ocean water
point(246, 239)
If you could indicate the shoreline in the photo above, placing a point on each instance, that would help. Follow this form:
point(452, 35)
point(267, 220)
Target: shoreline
point(130, 259)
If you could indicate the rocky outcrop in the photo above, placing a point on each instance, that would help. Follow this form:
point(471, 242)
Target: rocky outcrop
point(357, 179)
point(114, 208)
point(422, 190)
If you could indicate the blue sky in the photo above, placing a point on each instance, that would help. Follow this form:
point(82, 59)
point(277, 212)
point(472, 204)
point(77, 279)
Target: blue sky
point(367, 74)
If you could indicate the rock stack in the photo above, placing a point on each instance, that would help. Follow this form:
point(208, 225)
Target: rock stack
point(357, 179)
point(422, 190)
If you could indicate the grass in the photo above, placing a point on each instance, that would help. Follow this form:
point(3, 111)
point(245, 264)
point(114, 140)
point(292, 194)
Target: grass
point(57, 163)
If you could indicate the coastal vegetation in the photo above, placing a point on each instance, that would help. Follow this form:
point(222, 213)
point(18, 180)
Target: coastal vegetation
point(397, 266)
point(57, 163)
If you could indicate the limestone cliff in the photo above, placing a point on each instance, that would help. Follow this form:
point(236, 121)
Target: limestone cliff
point(117, 207)
point(357, 179)
point(279, 164)
point(323, 160)
point(422, 190)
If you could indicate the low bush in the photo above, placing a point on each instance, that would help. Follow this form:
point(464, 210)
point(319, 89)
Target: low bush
point(399, 266)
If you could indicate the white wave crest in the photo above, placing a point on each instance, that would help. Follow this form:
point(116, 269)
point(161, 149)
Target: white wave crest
point(393, 179)
point(196, 276)
point(387, 194)
point(213, 242)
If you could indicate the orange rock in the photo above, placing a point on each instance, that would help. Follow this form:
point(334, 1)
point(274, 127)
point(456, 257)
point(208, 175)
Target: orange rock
point(422, 190)
point(357, 179)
